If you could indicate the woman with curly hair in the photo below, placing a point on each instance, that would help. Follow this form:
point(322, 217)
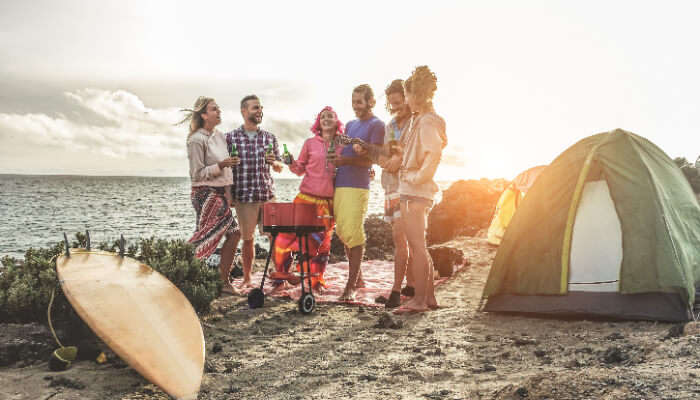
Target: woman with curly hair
point(422, 148)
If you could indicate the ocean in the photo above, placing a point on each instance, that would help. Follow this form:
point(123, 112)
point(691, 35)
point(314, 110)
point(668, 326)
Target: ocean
point(36, 210)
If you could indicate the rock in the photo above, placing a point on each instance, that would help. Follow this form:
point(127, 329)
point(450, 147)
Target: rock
point(466, 208)
point(691, 328)
point(615, 336)
point(445, 259)
point(484, 368)
point(522, 392)
point(386, 321)
point(524, 341)
point(614, 355)
point(62, 381)
point(28, 343)
point(216, 348)
point(260, 252)
point(675, 331)
point(368, 377)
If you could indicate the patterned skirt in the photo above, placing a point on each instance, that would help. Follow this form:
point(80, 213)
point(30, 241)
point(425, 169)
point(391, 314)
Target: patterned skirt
point(214, 219)
point(319, 242)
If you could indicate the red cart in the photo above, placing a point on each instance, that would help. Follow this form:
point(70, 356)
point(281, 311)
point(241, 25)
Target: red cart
point(300, 219)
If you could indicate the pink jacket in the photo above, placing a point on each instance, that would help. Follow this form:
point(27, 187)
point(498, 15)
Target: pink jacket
point(318, 180)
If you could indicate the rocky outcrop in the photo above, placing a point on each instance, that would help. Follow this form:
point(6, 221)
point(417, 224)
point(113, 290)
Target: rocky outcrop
point(25, 344)
point(466, 208)
point(445, 259)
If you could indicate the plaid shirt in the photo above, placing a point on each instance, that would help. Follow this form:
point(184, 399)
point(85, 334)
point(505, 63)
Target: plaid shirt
point(252, 181)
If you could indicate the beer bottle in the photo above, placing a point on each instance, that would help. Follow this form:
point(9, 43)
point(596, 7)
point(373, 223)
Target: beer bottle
point(270, 149)
point(331, 151)
point(234, 150)
point(286, 156)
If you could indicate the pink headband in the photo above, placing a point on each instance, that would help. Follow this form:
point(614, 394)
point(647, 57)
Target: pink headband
point(316, 128)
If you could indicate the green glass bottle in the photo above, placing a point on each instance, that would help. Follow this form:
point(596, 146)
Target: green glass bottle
point(270, 149)
point(286, 156)
point(234, 150)
point(331, 151)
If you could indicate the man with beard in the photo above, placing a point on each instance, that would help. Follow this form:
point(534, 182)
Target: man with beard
point(252, 182)
point(352, 185)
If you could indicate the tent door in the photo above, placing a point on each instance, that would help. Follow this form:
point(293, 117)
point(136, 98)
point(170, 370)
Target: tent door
point(596, 244)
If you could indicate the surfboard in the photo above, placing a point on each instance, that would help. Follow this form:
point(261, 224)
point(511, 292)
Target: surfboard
point(142, 316)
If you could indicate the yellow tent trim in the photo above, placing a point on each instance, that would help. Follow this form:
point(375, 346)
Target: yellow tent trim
point(573, 208)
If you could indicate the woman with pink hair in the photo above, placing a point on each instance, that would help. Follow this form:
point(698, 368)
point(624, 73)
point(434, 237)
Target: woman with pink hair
point(316, 188)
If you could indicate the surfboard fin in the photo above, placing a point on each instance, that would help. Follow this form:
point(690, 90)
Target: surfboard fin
point(122, 246)
point(65, 240)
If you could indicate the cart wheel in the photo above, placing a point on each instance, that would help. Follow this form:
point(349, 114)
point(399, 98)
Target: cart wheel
point(307, 302)
point(256, 298)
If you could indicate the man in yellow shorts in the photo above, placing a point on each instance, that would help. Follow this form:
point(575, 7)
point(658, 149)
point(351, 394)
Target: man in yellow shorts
point(352, 185)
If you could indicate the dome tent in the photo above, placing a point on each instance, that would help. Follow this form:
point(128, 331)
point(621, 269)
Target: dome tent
point(509, 201)
point(611, 228)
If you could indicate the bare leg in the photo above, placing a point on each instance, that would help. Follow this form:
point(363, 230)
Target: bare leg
point(248, 253)
point(354, 274)
point(400, 256)
point(226, 262)
point(414, 215)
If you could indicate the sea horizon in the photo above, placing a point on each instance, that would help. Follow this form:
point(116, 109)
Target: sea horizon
point(36, 209)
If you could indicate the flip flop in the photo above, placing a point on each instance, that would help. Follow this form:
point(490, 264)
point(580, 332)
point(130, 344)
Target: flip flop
point(403, 310)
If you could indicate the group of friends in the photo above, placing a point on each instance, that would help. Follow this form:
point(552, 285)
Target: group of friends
point(233, 171)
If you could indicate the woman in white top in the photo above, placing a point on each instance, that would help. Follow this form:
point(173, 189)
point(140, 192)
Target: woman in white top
point(210, 172)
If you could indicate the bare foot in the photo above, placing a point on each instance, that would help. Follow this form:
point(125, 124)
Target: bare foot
point(246, 284)
point(412, 306)
point(281, 287)
point(405, 309)
point(348, 295)
point(230, 290)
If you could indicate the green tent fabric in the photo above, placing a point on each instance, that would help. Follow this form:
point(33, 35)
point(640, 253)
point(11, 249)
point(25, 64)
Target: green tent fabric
point(658, 215)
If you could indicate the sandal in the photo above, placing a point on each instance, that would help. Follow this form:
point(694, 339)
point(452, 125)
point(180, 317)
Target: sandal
point(394, 300)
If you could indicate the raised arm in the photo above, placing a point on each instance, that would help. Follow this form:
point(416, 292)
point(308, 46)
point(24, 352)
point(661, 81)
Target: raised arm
point(299, 165)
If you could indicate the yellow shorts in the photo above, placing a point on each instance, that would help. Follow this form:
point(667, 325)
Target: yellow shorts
point(349, 209)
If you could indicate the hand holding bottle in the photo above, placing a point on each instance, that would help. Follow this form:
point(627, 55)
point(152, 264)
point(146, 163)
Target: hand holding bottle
point(228, 162)
point(287, 157)
point(234, 155)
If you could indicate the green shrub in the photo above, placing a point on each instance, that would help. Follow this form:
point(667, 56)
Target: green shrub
point(25, 288)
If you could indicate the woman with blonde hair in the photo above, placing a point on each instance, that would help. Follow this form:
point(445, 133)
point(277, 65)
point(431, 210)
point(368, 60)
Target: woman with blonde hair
point(210, 172)
point(422, 148)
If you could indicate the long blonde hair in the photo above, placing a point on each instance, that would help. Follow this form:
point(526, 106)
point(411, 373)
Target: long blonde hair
point(194, 115)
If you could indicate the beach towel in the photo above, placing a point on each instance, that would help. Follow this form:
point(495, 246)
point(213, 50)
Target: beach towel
point(378, 276)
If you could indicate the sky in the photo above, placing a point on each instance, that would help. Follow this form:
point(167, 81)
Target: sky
point(95, 88)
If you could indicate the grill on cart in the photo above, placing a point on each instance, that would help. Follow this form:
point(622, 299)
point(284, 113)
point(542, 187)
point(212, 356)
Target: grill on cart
point(301, 220)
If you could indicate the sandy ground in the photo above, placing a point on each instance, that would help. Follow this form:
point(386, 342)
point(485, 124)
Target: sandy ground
point(363, 353)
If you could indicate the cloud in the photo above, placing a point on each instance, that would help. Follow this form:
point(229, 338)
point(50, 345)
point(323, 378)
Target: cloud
point(111, 131)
